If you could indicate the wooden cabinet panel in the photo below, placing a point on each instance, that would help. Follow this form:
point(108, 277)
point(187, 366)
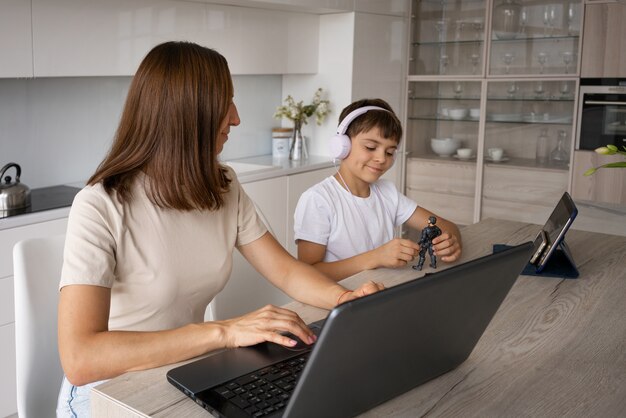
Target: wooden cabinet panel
point(604, 41)
point(446, 188)
point(605, 186)
point(459, 209)
point(521, 195)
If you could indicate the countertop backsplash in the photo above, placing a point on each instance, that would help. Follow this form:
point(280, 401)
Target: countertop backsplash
point(59, 129)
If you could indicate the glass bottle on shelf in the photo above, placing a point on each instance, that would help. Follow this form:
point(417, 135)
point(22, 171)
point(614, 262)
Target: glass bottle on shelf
point(559, 156)
point(506, 19)
point(543, 147)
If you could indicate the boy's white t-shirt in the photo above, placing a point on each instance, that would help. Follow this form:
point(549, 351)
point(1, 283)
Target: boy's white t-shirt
point(348, 225)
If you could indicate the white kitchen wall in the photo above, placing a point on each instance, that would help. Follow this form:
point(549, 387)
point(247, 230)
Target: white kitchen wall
point(59, 129)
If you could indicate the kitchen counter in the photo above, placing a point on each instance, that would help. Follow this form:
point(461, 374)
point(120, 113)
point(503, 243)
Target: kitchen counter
point(248, 170)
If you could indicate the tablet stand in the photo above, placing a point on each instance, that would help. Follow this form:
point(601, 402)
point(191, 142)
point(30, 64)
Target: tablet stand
point(560, 263)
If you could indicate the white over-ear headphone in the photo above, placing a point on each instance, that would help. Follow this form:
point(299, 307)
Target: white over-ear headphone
point(340, 143)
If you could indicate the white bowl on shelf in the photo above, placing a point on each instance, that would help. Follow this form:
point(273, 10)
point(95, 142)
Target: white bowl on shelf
point(458, 113)
point(445, 147)
point(474, 113)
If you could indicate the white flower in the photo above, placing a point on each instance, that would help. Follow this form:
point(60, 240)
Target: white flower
point(300, 113)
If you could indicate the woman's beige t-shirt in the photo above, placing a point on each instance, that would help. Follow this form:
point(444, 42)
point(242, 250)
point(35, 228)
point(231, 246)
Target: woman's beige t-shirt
point(163, 266)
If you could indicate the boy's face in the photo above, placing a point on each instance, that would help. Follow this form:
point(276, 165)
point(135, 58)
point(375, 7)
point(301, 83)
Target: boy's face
point(371, 155)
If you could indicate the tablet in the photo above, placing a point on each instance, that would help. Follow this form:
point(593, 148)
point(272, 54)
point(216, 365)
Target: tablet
point(553, 232)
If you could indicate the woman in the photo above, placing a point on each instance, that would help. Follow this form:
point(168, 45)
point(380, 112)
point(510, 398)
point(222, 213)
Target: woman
point(150, 238)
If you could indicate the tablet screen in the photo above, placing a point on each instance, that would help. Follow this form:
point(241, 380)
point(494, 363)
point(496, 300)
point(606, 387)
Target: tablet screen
point(556, 226)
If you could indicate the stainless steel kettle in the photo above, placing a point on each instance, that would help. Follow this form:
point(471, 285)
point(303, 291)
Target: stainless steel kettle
point(14, 196)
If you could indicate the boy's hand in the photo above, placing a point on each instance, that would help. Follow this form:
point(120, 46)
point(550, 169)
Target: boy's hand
point(447, 247)
point(396, 253)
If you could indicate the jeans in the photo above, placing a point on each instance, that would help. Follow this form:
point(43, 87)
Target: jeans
point(74, 400)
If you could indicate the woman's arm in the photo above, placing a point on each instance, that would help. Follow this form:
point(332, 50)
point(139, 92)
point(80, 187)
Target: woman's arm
point(299, 280)
point(448, 245)
point(90, 352)
point(395, 253)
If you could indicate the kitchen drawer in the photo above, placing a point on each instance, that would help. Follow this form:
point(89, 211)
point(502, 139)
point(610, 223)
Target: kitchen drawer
point(8, 390)
point(456, 208)
point(7, 304)
point(425, 175)
point(9, 237)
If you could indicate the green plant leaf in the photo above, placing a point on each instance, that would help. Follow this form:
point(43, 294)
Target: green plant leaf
point(590, 171)
point(615, 165)
point(612, 147)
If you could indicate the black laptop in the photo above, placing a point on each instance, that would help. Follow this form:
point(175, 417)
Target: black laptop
point(369, 350)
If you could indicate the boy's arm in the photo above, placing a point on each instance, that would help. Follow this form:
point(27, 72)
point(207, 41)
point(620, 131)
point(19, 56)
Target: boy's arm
point(448, 244)
point(395, 253)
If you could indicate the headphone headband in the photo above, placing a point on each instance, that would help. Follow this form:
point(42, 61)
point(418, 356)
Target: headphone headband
point(343, 126)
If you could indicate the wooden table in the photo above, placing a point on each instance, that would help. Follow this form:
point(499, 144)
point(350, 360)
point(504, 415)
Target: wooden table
point(556, 347)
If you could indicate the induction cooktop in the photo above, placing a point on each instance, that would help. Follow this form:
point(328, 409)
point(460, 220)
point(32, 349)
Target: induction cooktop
point(46, 198)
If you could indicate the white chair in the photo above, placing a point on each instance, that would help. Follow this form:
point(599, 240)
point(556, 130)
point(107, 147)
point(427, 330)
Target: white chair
point(37, 267)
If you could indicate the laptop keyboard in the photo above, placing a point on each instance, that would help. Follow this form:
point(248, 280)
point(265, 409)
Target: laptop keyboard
point(264, 391)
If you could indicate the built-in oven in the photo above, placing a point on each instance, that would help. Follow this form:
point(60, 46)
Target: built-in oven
point(601, 113)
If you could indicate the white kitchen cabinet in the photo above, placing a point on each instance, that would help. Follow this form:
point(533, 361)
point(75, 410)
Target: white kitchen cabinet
point(15, 39)
point(95, 38)
point(8, 389)
point(8, 238)
point(246, 289)
point(298, 184)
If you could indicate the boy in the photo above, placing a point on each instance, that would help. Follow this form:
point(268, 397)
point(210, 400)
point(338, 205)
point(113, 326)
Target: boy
point(345, 223)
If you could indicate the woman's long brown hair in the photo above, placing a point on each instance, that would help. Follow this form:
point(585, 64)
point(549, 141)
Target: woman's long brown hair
point(169, 127)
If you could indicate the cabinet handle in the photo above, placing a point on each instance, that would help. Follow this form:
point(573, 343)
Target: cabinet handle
point(600, 102)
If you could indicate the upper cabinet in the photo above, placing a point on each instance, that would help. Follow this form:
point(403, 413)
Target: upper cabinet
point(604, 42)
point(15, 39)
point(485, 136)
point(95, 38)
point(524, 38)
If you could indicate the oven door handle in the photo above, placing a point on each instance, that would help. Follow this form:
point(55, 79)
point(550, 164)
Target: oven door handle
point(600, 102)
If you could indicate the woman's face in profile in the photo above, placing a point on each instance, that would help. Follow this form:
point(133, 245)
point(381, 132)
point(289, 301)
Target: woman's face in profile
point(231, 119)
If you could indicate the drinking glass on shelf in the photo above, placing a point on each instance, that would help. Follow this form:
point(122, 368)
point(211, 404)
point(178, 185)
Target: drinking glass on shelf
point(539, 89)
point(458, 89)
point(546, 19)
point(542, 150)
point(523, 19)
point(475, 58)
point(508, 59)
point(442, 28)
point(542, 58)
point(512, 90)
point(570, 18)
point(443, 63)
point(552, 19)
point(559, 155)
point(460, 24)
point(568, 58)
point(478, 28)
point(565, 89)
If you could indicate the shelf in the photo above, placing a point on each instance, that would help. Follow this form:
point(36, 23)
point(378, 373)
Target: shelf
point(442, 118)
point(442, 43)
point(443, 98)
point(511, 162)
point(495, 40)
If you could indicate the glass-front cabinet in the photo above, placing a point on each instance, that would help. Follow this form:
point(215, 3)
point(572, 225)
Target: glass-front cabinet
point(491, 138)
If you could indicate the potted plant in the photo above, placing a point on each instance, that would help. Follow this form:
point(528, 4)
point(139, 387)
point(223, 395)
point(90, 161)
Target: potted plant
point(608, 150)
point(299, 113)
